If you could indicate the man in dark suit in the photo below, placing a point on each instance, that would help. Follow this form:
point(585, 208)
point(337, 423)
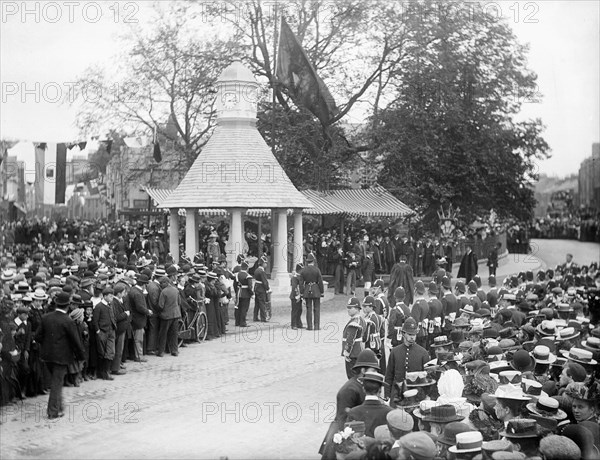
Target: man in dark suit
point(468, 265)
point(311, 285)
point(350, 395)
point(373, 411)
point(152, 325)
point(261, 290)
point(105, 325)
point(60, 346)
point(122, 313)
point(139, 314)
point(170, 313)
point(406, 357)
point(401, 275)
point(245, 293)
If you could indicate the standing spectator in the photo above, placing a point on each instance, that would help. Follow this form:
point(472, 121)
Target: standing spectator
point(401, 275)
point(351, 267)
point(492, 261)
point(311, 285)
point(428, 264)
point(419, 254)
point(170, 313)
point(244, 294)
point(105, 325)
point(388, 254)
point(468, 265)
point(296, 298)
point(152, 324)
point(339, 273)
point(60, 345)
point(368, 272)
point(122, 314)
point(261, 289)
point(139, 314)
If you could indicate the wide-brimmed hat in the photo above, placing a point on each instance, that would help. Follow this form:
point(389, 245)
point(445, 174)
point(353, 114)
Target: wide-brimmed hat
point(547, 407)
point(418, 379)
point(511, 392)
point(591, 344)
point(469, 441)
point(424, 408)
point(374, 377)
point(541, 355)
point(468, 309)
point(39, 294)
point(443, 413)
point(7, 275)
point(531, 387)
point(567, 333)
point(583, 391)
point(521, 428)
point(451, 429)
point(579, 355)
point(513, 377)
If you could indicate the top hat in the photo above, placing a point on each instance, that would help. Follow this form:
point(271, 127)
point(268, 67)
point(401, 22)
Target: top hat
point(444, 413)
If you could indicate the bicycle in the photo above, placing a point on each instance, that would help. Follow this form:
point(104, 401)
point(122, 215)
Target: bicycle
point(197, 328)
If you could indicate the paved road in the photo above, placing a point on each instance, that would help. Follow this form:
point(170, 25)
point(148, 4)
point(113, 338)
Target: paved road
point(264, 393)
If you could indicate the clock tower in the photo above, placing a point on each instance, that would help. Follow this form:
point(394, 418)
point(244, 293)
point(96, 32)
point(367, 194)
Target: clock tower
point(237, 95)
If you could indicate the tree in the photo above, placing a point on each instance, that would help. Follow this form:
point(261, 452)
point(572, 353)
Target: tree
point(450, 134)
point(336, 37)
point(167, 72)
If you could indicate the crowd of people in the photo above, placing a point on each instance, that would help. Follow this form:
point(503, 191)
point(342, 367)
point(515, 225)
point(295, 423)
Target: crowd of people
point(568, 227)
point(509, 372)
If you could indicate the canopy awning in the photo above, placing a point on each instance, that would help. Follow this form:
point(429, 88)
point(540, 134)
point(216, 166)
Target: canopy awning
point(373, 202)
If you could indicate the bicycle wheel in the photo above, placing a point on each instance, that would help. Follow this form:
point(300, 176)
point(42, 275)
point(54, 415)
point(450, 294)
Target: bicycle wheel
point(201, 326)
point(181, 332)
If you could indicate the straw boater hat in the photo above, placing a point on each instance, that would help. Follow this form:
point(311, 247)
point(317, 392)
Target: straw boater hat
point(7, 275)
point(469, 441)
point(580, 355)
point(592, 344)
point(546, 328)
point(39, 294)
point(567, 333)
point(547, 407)
point(541, 355)
point(521, 428)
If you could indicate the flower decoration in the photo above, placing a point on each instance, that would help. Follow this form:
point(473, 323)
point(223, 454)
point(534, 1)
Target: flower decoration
point(346, 441)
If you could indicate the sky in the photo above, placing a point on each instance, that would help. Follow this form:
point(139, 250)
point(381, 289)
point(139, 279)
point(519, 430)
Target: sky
point(45, 46)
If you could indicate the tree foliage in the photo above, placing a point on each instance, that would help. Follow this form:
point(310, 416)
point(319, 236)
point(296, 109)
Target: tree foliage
point(450, 134)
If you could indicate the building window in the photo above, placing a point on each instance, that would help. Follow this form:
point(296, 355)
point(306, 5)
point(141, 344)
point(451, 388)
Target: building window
point(140, 203)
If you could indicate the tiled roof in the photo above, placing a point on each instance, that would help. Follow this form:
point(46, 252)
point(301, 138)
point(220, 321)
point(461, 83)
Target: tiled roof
point(236, 169)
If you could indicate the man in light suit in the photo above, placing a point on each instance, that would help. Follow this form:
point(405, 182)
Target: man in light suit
point(311, 286)
point(60, 346)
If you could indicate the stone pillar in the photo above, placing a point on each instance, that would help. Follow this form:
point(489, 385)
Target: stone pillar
point(274, 240)
point(191, 233)
point(280, 278)
point(298, 238)
point(174, 234)
point(235, 244)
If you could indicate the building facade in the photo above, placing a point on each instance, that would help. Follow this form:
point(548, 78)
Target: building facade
point(589, 181)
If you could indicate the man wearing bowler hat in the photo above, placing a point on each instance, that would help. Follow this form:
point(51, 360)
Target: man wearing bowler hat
point(406, 357)
point(139, 314)
point(311, 286)
point(60, 346)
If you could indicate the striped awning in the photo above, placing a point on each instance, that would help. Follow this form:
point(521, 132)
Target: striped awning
point(159, 195)
point(373, 202)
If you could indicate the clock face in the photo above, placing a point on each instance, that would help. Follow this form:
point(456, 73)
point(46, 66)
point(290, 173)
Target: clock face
point(229, 100)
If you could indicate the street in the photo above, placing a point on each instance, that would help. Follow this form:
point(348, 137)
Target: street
point(265, 392)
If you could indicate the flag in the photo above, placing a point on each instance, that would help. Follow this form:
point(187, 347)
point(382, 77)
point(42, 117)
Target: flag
point(61, 173)
point(297, 74)
point(157, 155)
point(92, 186)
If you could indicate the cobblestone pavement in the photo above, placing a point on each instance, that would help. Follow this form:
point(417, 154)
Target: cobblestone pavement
point(262, 392)
point(265, 392)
